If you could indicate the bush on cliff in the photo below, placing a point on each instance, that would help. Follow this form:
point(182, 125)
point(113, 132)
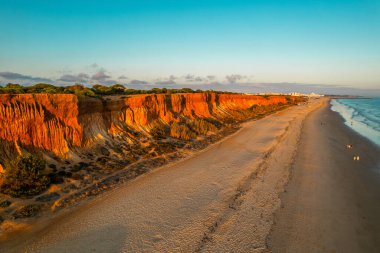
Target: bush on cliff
point(181, 131)
point(80, 90)
point(159, 131)
point(97, 90)
point(12, 88)
point(44, 88)
point(203, 126)
point(23, 177)
point(116, 89)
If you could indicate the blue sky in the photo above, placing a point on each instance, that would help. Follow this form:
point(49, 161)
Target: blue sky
point(314, 42)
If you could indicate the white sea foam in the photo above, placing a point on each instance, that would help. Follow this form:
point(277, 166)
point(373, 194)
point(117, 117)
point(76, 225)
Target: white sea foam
point(363, 116)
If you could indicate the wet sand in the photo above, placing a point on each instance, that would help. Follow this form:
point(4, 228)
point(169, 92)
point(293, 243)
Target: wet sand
point(332, 203)
point(220, 200)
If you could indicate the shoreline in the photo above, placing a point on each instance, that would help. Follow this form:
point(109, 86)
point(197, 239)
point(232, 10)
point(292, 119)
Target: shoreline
point(358, 126)
point(330, 203)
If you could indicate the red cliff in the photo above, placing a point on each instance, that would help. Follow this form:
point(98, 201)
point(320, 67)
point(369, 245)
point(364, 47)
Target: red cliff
point(45, 121)
point(61, 123)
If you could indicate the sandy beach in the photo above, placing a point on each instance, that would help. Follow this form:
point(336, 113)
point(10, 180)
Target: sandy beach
point(190, 126)
point(230, 197)
point(331, 203)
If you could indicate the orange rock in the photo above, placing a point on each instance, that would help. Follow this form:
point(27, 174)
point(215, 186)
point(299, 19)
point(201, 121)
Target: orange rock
point(45, 121)
point(60, 122)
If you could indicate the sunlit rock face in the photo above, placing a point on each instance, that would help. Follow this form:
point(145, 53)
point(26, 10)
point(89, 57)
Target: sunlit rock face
point(64, 123)
point(141, 111)
point(45, 121)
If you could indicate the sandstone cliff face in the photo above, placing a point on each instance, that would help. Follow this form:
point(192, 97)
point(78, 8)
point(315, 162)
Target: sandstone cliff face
point(142, 111)
point(62, 123)
point(45, 121)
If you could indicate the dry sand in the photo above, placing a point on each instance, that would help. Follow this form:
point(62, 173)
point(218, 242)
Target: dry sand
point(224, 198)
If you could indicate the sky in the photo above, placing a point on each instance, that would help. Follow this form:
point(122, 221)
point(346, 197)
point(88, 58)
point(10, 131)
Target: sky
point(223, 42)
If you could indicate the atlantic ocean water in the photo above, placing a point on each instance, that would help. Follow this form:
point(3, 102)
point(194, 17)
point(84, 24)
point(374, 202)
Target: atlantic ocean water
point(362, 115)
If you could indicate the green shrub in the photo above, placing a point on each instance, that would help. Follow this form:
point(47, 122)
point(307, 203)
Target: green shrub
point(5, 203)
point(43, 88)
point(12, 88)
point(116, 89)
point(181, 131)
point(159, 131)
point(202, 126)
point(27, 211)
point(79, 90)
point(23, 177)
point(132, 91)
point(97, 90)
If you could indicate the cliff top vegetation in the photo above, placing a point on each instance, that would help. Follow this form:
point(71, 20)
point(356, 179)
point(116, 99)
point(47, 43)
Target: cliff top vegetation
point(96, 90)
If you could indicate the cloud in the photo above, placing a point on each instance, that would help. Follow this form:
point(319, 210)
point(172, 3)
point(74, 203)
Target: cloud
point(64, 71)
point(234, 78)
point(122, 77)
point(210, 77)
point(109, 82)
point(165, 82)
point(17, 76)
point(172, 77)
point(138, 82)
point(97, 67)
point(192, 78)
point(189, 77)
point(83, 75)
point(100, 76)
point(80, 78)
point(216, 83)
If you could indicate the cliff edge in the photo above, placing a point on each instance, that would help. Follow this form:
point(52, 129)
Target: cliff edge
point(60, 123)
point(57, 149)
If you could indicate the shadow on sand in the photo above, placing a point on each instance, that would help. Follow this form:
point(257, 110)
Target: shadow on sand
point(106, 239)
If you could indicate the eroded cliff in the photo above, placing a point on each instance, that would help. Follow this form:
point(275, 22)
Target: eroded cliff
point(43, 121)
point(62, 123)
point(90, 145)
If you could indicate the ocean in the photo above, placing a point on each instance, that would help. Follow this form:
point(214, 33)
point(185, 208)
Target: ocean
point(362, 115)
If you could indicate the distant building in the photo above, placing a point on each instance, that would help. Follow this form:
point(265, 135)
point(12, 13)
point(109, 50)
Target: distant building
point(305, 95)
point(296, 94)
